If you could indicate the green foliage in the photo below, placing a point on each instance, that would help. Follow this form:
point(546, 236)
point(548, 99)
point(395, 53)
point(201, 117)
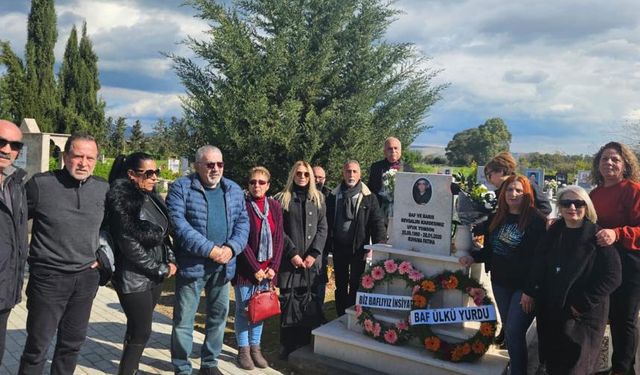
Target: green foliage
point(137, 140)
point(411, 157)
point(468, 182)
point(118, 142)
point(556, 163)
point(479, 144)
point(284, 80)
point(103, 169)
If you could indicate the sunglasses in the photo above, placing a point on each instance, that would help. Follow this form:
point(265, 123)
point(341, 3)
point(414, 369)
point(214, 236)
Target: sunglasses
point(577, 203)
point(257, 182)
point(302, 174)
point(149, 173)
point(15, 145)
point(213, 165)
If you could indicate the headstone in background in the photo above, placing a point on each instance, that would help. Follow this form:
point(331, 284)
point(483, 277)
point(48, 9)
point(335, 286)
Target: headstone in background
point(584, 180)
point(482, 178)
point(21, 160)
point(420, 224)
point(561, 178)
point(173, 165)
point(184, 166)
point(535, 175)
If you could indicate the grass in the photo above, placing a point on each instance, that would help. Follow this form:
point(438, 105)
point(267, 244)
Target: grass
point(271, 330)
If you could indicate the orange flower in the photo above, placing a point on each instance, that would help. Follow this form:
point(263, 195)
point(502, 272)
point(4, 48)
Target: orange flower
point(432, 343)
point(451, 283)
point(428, 286)
point(466, 349)
point(478, 347)
point(457, 354)
point(419, 301)
point(486, 329)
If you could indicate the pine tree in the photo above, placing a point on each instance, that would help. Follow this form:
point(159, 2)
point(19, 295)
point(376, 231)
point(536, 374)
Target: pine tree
point(118, 141)
point(69, 119)
point(90, 105)
point(137, 140)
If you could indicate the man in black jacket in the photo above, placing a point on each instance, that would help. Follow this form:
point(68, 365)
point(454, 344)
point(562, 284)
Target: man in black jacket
point(67, 208)
point(13, 224)
point(392, 160)
point(354, 219)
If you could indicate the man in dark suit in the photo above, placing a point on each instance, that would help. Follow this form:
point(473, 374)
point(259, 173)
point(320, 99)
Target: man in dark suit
point(392, 160)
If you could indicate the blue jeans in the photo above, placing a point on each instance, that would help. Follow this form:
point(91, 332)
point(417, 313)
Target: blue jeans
point(247, 333)
point(515, 322)
point(217, 307)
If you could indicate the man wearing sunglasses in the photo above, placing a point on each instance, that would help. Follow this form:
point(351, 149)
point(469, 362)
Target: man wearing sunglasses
point(13, 224)
point(67, 208)
point(211, 229)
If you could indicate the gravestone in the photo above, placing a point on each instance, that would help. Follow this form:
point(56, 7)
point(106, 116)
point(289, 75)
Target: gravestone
point(174, 165)
point(35, 154)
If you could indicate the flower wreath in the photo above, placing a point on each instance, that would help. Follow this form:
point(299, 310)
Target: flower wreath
point(472, 348)
point(380, 272)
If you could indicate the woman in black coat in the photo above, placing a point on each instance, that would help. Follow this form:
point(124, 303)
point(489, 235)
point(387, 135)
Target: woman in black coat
point(573, 278)
point(139, 225)
point(305, 228)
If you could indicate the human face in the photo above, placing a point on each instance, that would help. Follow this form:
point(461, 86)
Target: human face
point(145, 177)
point(9, 133)
point(301, 176)
point(514, 194)
point(351, 174)
point(392, 150)
point(572, 215)
point(611, 166)
point(496, 178)
point(210, 168)
point(258, 185)
point(422, 186)
point(319, 175)
point(81, 158)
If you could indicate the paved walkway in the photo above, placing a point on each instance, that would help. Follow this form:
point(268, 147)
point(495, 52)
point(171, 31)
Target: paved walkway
point(101, 352)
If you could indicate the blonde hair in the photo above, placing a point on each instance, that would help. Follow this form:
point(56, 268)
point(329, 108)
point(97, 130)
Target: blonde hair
point(260, 169)
point(580, 192)
point(285, 195)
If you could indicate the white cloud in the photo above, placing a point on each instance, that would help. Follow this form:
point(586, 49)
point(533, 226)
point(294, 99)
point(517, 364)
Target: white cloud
point(138, 103)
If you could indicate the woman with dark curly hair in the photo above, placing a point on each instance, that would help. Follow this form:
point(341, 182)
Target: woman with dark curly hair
point(617, 201)
point(139, 225)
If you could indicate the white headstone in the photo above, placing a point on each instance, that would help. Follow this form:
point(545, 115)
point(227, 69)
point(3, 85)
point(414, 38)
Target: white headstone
point(184, 166)
point(173, 165)
point(422, 221)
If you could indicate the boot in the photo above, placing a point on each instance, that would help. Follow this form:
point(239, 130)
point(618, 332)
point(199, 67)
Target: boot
point(244, 358)
point(256, 356)
point(130, 359)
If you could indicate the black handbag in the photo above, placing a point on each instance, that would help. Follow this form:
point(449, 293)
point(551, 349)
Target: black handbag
point(299, 308)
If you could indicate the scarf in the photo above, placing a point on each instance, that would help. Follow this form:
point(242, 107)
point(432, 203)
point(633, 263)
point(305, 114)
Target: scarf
point(265, 249)
point(348, 203)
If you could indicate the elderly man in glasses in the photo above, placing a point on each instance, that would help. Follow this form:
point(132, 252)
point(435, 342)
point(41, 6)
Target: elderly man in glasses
point(211, 228)
point(13, 224)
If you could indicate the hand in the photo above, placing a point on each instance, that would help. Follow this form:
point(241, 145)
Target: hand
point(575, 313)
point(527, 303)
point(260, 275)
point(221, 255)
point(308, 261)
point(606, 237)
point(95, 265)
point(466, 260)
point(172, 269)
point(297, 261)
point(367, 255)
point(270, 274)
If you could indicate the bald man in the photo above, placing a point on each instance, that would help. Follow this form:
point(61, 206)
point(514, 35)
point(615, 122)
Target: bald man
point(13, 224)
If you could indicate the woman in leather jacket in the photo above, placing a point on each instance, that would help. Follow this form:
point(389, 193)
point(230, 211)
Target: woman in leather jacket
point(139, 226)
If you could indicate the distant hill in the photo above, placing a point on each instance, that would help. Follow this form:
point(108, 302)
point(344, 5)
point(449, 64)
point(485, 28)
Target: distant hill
point(433, 150)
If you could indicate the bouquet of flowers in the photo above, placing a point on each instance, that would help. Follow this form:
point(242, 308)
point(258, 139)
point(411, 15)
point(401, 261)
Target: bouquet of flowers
point(388, 187)
point(475, 202)
point(551, 185)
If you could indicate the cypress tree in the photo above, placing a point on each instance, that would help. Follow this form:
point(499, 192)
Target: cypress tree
point(90, 106)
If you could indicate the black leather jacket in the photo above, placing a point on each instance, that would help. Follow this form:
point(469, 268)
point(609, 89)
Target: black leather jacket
point(139, 225)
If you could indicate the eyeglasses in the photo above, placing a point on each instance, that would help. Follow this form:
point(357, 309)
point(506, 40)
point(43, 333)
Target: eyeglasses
point(257, 182)
point(577, 203)
point(213, 165)
point(15, 145)
point(149, 172)
point(302, 174)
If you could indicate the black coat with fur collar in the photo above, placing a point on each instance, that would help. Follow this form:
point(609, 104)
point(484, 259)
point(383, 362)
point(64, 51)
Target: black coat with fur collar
point(142, 245)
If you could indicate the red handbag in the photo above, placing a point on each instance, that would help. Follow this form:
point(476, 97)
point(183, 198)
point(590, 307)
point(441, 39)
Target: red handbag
point(263, 304)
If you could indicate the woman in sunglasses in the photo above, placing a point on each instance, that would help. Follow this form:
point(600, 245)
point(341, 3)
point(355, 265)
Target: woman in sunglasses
point(572, 279)
point(139, 225)
point(511, 236)
point(257, 265)
point(616, 198)
point(305, 227)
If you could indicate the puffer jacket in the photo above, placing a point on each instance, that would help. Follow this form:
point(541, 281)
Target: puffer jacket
point(141, 237)
point(188, 209)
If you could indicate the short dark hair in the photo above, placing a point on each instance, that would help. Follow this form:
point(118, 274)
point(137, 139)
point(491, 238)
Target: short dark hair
point(82, 137)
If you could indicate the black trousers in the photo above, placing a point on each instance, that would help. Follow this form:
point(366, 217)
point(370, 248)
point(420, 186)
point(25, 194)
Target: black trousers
point(623, 313)
point(348, 269)
point(62, 302)
point(4, 317)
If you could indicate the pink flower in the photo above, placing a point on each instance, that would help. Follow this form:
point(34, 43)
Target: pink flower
point(376, 330)
point(402, 325)
point(405, 267)
point(377, 273)
point(358, 311)
point(368, 325)
point(367, 282)
point(390, 266)
point(415, 289)
point(391, 336)
point(415, 275)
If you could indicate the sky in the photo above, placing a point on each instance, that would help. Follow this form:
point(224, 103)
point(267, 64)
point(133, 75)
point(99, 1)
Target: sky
point(563, 74)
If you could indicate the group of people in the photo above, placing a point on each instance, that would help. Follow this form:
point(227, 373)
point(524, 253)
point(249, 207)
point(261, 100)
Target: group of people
point(209, 233)
point(573, 273)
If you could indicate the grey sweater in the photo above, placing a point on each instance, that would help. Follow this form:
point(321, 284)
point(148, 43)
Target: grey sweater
point(67, 215)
